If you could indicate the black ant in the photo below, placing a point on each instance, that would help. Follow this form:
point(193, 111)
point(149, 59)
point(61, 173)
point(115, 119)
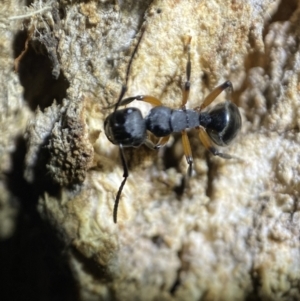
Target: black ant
point(128, 128)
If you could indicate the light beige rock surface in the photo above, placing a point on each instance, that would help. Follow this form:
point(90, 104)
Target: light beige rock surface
point(234, 233)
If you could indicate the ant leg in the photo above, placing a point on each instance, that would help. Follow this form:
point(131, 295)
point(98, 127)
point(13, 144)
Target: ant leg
point(209, 146)
point(125, 175)
point(149, 143)
point(187, 151)
point(162, 142)
point(186, 88)
point(213, 95)
point(146, 98)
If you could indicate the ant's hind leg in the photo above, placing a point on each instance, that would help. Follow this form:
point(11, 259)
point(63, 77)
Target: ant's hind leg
point(125, 175)
point(209, 146)
point(186, 87)
point(187, 152)
point(213, 95)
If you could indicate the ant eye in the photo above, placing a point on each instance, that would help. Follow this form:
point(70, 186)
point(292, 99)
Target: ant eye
point(225, 123)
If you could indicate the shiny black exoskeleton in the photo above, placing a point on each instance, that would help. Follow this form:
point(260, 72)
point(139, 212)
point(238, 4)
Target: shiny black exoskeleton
point(126, 127)
point(224, 124)
point(129, 128)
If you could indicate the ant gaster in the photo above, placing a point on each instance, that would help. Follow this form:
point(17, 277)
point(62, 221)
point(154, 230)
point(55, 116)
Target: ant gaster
point(217, 126)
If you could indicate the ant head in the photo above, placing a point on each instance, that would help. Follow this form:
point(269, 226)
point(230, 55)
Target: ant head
point(225, 123)
point(125, 127)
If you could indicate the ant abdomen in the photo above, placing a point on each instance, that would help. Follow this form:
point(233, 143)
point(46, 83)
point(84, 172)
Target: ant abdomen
point(225, 123)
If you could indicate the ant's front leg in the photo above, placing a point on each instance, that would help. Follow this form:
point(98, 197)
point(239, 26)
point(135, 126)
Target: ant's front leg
point(146, 98)
point(123, 102)
point(161, 142)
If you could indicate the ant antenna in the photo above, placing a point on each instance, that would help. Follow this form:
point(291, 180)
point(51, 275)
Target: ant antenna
point(125, 175)
point(122, 155)
point(123, 91)
point(124, 87)
point(134, 52)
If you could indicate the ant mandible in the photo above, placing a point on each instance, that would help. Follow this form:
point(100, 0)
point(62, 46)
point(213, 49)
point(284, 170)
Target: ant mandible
point(128, 128)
